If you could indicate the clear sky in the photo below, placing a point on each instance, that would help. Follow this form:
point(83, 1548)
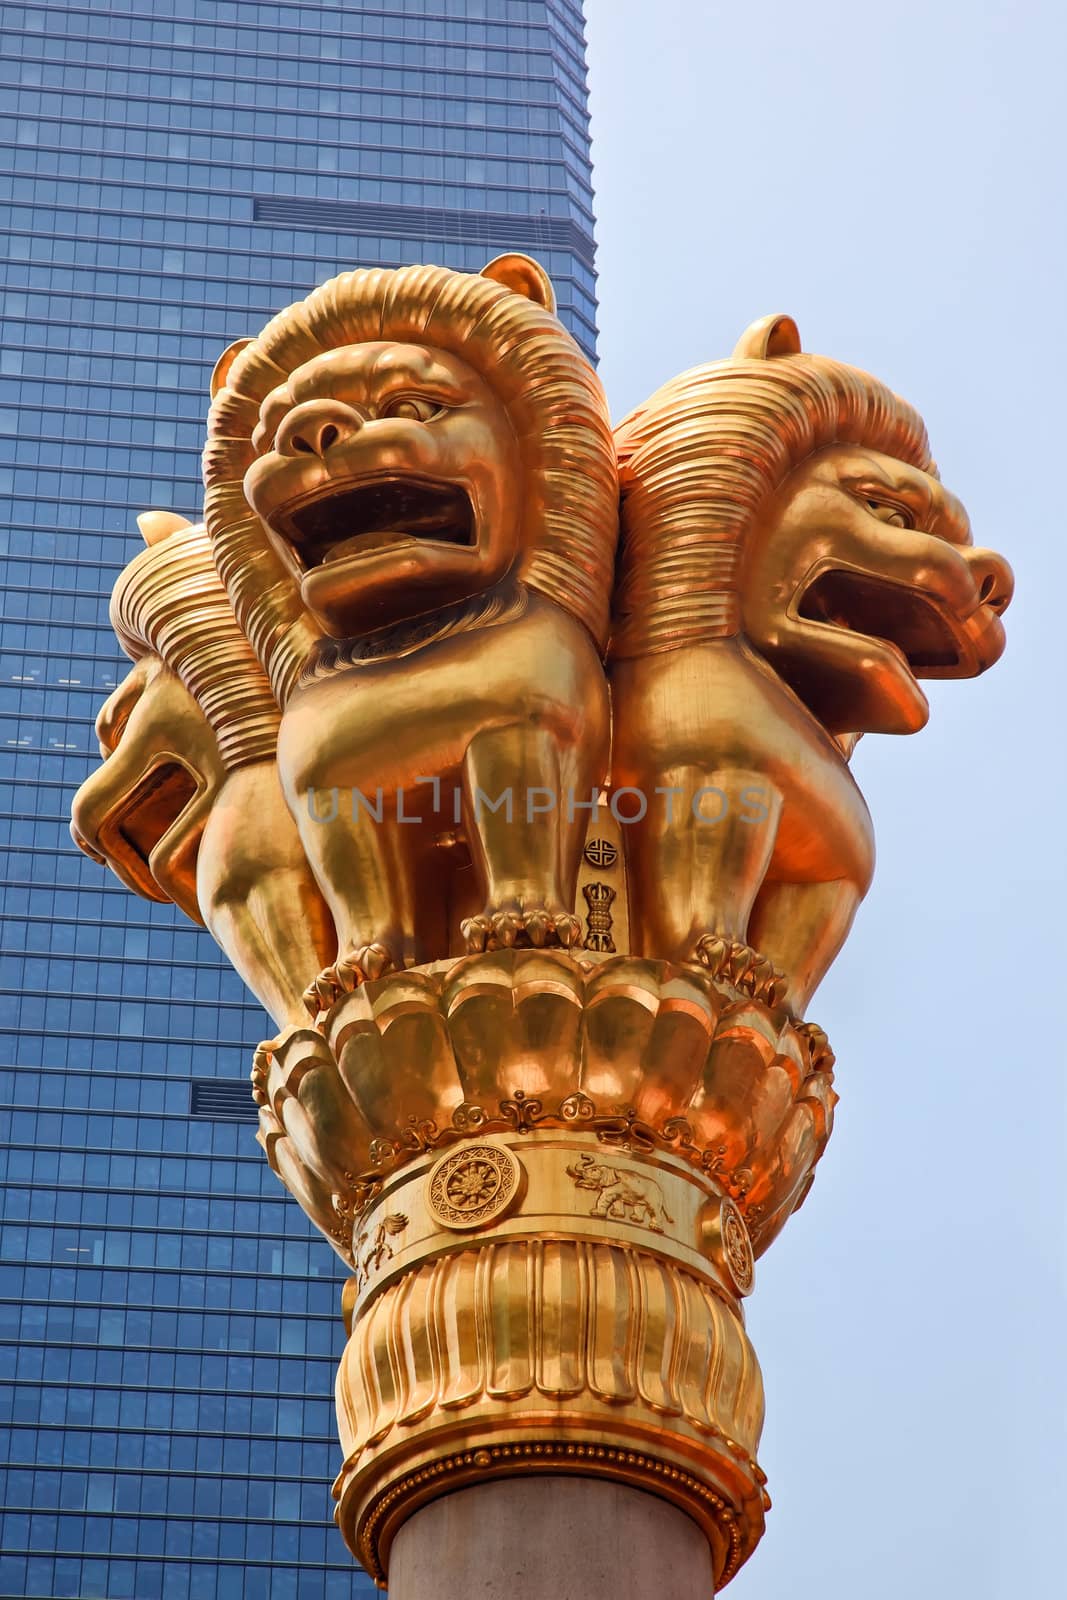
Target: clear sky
point(893, 177)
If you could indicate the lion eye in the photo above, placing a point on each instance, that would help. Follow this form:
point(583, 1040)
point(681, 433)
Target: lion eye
point(413, 410)
point(892, 515)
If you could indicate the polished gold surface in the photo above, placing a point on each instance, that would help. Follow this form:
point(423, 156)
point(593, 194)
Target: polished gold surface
point(411, 492)
point(789, 567)
point(534, 847)
point(642, 1054)
point(582, 1241)
point(564, 1327)
point(188, 805)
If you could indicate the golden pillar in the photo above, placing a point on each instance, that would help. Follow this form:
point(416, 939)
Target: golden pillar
point(507, 758)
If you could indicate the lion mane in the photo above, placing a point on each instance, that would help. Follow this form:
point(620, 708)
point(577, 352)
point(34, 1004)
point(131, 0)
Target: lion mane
point(168, 601)
point(685, 514)
point(555, 402)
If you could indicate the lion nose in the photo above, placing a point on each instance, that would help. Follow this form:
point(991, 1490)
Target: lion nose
point(992, 577)
point(315, 427)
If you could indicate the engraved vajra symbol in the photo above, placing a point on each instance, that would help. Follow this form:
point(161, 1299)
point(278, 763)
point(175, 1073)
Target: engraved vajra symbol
point(598, 897)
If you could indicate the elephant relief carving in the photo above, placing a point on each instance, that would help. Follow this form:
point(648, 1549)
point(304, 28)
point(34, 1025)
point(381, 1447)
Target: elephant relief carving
point(621, 1196)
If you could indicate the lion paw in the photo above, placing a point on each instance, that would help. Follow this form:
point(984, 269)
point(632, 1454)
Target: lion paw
point(360, 964)
point(262, 1057)
point(819, 1048)
point(521, 927)
point(742, 967)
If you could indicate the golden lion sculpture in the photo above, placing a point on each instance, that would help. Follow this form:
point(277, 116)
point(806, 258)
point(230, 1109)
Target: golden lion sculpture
point(187, 805)
point(412, 498)
point(789, 566)
point(413, 506)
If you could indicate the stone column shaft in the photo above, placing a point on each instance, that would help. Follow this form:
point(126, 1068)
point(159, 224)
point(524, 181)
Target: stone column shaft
point(551, 1538)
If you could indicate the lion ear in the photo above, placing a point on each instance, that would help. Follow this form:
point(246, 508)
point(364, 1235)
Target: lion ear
point(525, 276)
point(769, 337)
point(156, 526)
point(225, 362)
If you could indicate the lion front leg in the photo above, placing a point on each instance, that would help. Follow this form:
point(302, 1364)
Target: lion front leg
point(525, 837)
point(257, 894)
point(367, 861)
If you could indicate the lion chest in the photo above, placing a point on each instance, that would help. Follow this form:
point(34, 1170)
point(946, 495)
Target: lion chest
point(387, 723)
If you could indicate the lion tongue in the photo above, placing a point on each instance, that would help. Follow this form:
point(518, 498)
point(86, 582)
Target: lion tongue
point(364, 542)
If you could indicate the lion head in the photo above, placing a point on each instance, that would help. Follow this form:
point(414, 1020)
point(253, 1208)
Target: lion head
point(401, 440)
point(195, 706)
point(143, 811)
point(793, 499)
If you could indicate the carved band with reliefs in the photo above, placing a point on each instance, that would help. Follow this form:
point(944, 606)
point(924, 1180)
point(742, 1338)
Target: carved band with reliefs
point(513, 1281)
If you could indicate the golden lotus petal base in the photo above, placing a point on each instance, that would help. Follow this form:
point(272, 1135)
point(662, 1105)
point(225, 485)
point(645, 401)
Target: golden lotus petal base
point(643, 1054)
point(541, 1303)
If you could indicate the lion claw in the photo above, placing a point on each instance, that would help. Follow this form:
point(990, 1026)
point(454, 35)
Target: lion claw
point(475, 931)
point(320, 995)
point(777, 985)
point(506, 928)
point(360, 964)
point(369, 962)
point(540, 927)
point(521, 927)
point(714, 954)
point(820, 1051)
point(262, 1057)
point(741, 966)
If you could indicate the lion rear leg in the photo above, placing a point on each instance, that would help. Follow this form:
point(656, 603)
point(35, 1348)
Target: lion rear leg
point(696, 860)
point(521, 839)
point(800, 927)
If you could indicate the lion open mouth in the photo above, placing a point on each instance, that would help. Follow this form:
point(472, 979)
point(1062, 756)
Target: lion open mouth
point(338, 523)
point(149, 812)
point(887, 611)
point(130, 831)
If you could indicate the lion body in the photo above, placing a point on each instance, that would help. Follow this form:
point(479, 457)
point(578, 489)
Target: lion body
point(187, 805)
point(505, 709)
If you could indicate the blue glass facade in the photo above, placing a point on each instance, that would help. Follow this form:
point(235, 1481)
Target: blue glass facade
point(173, 174)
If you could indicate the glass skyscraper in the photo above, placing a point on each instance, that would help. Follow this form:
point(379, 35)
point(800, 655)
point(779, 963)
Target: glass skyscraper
point(174, 171)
